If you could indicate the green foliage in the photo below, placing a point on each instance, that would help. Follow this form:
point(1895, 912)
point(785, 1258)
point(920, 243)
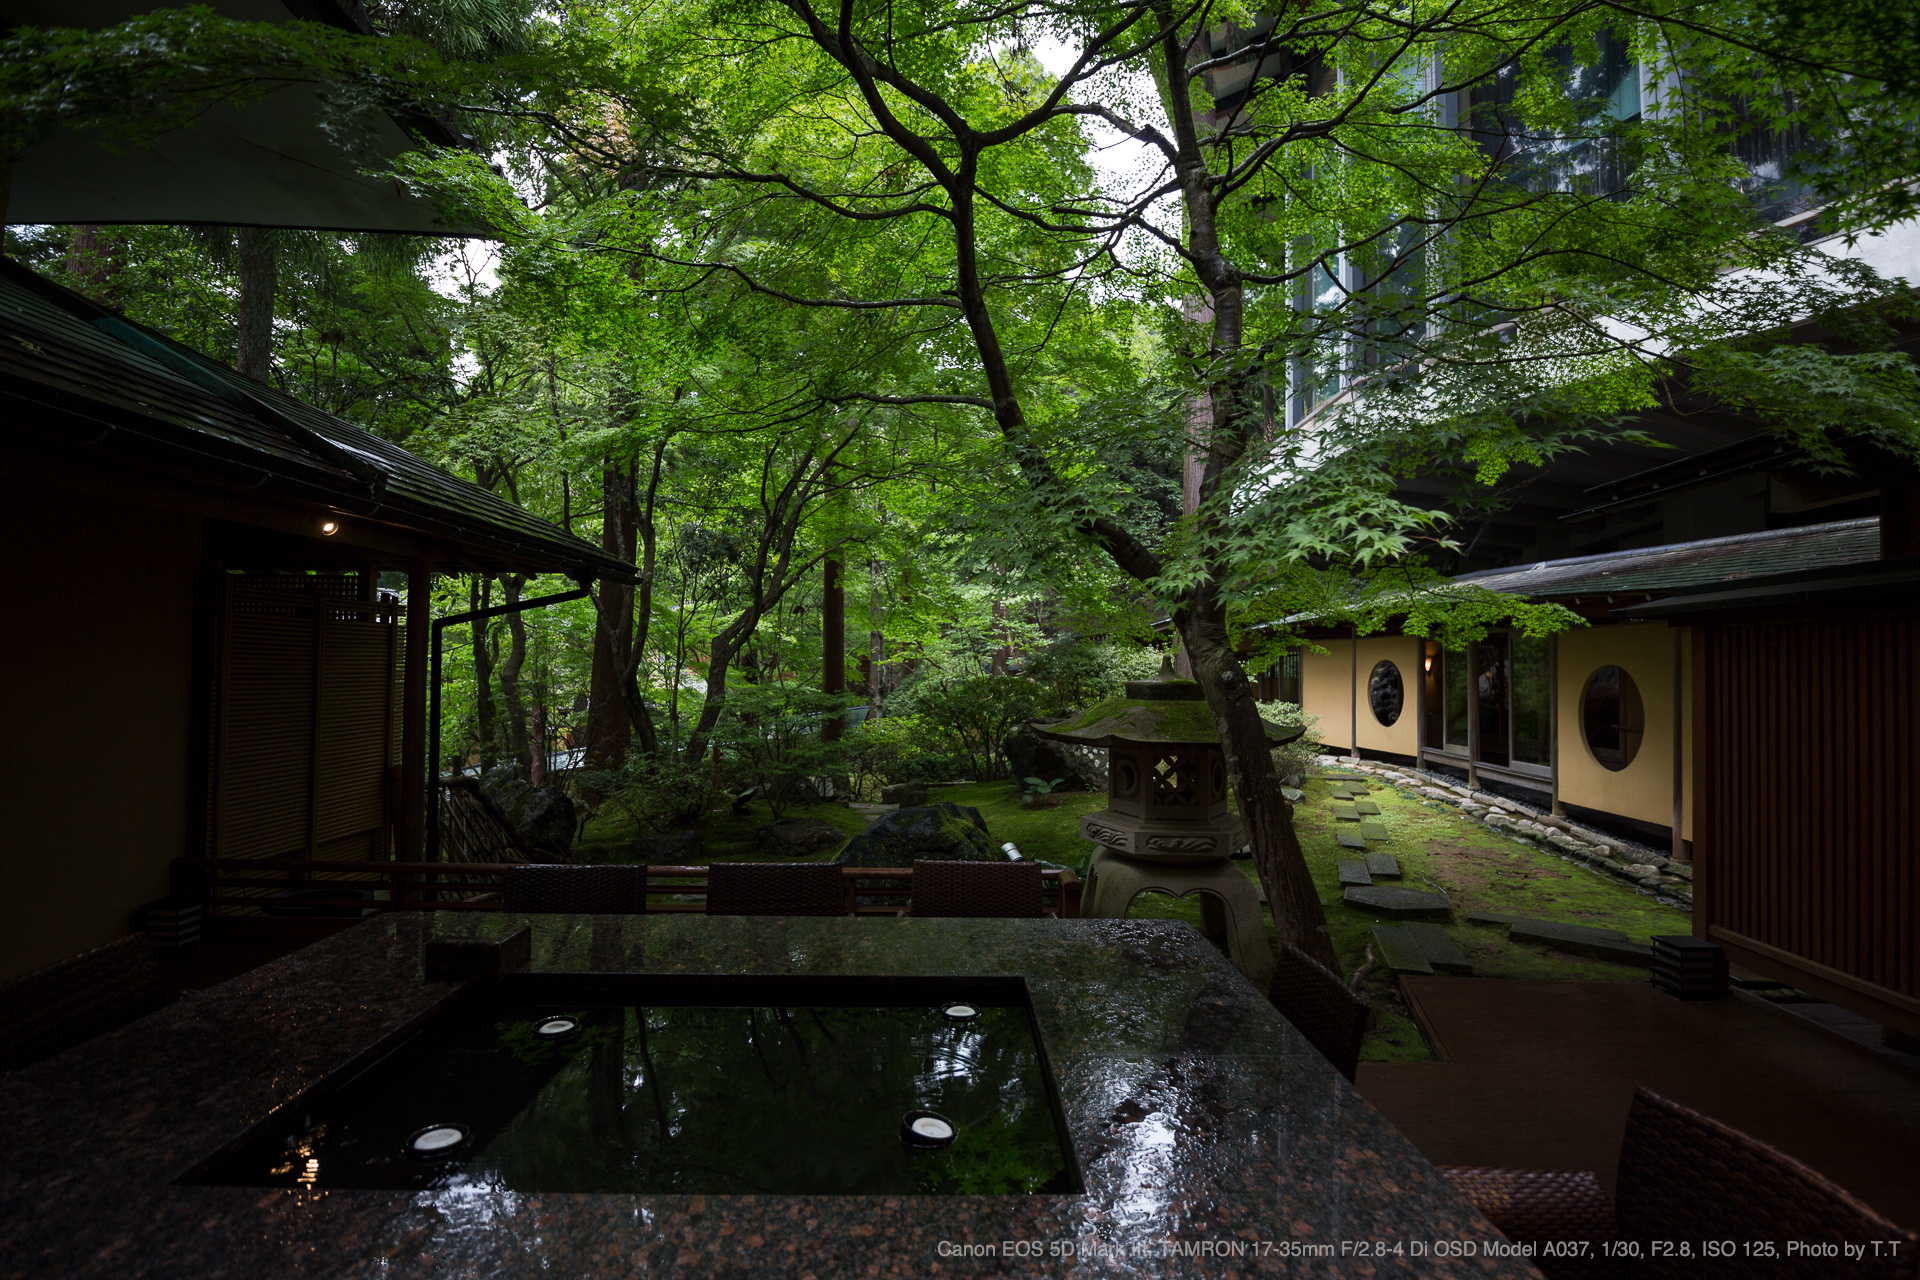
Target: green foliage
point(770, 735)
point(972, 716)
point(660, 793)
point(995, 1158)
point(1072, 673)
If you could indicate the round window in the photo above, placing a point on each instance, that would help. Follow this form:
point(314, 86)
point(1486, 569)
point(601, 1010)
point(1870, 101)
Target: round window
point(1386, 692)
point(1612, 719)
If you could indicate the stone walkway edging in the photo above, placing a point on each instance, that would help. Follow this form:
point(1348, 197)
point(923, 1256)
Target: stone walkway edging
point(1648, 871)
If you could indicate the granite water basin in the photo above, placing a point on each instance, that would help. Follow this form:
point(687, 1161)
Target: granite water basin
point(552, 1085)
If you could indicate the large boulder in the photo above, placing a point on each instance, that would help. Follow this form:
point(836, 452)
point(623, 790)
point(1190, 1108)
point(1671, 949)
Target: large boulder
point(671, 848)
point(954, 832)
point(546, 819)
point(544, 816)
point(797, 837)
point(905, 794)
point(1032, 756)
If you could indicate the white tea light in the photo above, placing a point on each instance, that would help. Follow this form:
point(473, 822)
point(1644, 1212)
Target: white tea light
point(933, 1129)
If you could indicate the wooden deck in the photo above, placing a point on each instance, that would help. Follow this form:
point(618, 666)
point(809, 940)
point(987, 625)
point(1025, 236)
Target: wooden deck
point(1539, 1075)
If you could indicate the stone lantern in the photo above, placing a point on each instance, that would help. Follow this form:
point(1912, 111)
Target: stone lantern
point(1166, 827)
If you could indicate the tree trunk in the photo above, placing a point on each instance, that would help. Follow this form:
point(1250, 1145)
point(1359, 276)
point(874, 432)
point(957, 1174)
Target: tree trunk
point(537, 740)
point(253, 348)
point(609, 720)
point(479, 596)
point(509, 673)
point(833, 644)
point(88, 267)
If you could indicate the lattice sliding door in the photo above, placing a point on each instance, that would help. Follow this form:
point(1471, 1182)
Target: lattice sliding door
point(304, 719)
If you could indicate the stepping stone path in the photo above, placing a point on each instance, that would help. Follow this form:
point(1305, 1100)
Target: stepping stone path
point(1353, 871)
point(1601, 944)
point(1405, 903)
point(1348, 838)
point(1400, 950)
point(1381, 864)
point(1441, 951)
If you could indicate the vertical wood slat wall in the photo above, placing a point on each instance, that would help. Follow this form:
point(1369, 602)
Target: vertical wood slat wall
point(303, 732)
point(1808, 778)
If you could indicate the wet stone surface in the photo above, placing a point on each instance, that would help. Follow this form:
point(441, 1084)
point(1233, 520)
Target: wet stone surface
point(1196, 1116)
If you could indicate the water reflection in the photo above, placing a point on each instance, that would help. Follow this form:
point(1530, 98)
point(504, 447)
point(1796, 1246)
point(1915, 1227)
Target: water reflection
point(693, 1100)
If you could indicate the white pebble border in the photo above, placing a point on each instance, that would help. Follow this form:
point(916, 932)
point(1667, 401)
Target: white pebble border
point(1666, 880)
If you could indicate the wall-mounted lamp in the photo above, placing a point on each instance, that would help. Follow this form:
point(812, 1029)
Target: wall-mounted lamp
point(1428, 662)
point(329, 527)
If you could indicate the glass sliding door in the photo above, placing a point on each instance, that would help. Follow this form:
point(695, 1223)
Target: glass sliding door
point(1532, 686)
point(1453, 665)
point(1492, 678)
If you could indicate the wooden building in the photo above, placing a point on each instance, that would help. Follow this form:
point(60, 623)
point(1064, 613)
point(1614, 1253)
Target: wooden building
point(1750, 702)
point(199, 658)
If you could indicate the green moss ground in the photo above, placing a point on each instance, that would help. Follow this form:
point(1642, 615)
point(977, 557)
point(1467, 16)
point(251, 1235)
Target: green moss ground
point(1478, 869)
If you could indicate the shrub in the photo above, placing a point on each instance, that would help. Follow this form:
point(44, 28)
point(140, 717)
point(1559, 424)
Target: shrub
point(771, 735)
point(1292, 761)
point(1072, 673)
point(660, 793)
point(973, 716)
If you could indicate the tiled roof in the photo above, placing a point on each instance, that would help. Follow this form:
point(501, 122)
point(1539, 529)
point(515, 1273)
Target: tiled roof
point(1692, 564)
point(70, 368)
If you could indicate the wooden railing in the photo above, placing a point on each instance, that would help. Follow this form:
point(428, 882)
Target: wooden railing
point(245, 886)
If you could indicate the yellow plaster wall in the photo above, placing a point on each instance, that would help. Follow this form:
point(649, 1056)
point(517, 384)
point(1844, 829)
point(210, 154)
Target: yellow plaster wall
point(1331, 689)
point(1644, 789)
point(94, 717)
point(1326, 683)
point(1402, 737)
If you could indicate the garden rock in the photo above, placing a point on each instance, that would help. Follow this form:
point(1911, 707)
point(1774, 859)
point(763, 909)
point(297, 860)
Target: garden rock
point(796, 837)
point(907, 795)
point(1031, 756)
point(544, 816)
point(949, 831)
point(671, 848)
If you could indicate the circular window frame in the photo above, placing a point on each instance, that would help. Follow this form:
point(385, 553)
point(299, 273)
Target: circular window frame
point(1628, 718)
point(1375, 685)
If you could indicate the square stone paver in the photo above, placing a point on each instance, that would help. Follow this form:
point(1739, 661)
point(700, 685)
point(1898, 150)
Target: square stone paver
point(1380, 864)
point(1349, 838)
point(1400, 950)
point(1441, 951)
point(1412, 904)
point(1353, 871)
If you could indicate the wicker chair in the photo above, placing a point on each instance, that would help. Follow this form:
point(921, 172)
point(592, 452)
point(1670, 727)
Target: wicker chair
point(1318, 1004)
point(775, 889)
point(73, 1000)
point(562, 887)
point(1684, 1176)
point(977, 889)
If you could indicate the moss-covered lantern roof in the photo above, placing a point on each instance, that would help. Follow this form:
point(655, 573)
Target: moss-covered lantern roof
point(1162, 712)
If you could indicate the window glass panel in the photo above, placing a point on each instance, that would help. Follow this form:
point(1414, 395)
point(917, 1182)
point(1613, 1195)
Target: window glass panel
point(1532, 700)
point(1490, 676)
point(1454, 666)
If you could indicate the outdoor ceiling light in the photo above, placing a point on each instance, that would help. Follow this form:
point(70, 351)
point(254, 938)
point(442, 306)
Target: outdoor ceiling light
point(960, 1013)
point(556, 1028)
point(329, 527)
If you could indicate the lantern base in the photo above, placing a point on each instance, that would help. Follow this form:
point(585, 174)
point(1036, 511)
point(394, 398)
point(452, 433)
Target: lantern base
point(1165, 841)
point(1229, 905)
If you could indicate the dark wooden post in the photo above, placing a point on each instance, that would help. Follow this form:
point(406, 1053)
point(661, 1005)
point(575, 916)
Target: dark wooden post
point(413, 713)
point(833, 643)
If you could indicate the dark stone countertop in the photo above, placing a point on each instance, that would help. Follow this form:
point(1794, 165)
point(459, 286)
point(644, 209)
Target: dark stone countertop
point(1200, 1119)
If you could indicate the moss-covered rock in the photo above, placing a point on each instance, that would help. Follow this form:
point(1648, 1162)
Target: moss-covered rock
point(945, 830)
